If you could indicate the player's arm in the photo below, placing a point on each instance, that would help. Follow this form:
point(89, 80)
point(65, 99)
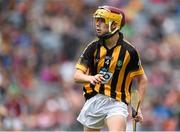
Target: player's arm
point(81, 77)
point(142, 82)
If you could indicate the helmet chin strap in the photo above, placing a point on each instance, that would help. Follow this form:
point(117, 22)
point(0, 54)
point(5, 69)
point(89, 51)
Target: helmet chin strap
point(107, 35)
point(110, 33)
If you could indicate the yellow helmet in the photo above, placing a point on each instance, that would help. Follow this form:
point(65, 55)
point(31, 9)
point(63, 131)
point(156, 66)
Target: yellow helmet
point(110, 14)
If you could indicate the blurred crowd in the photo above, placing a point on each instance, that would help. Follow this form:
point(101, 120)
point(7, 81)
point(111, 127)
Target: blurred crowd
point(40, 41)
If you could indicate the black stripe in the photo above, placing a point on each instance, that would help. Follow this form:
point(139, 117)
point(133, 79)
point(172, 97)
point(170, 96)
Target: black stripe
point(101, 90)
point(116, 73)
point(130, 87)
point(84, 89)
point(92, 86)
point(92, 67)
point(96, 57)
point(95, 65)
point(123, 97)
point(108, 57)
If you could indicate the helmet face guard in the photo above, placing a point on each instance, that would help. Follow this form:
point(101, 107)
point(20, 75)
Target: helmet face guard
point(110, 14)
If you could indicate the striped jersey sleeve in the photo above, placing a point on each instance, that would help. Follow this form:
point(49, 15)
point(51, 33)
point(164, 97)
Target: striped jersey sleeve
point(135, 64)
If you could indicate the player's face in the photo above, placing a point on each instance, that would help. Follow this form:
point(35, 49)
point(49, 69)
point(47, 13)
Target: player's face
point(101, 26)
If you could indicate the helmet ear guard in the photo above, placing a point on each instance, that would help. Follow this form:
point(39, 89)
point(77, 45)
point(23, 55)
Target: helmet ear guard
point(111, 14)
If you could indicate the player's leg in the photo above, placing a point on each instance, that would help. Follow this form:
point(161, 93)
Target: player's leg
point(117, 116)
point(116, 123)
point(86, 129)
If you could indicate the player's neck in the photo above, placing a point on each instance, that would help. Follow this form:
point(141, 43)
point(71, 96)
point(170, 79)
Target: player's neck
point(111, 42)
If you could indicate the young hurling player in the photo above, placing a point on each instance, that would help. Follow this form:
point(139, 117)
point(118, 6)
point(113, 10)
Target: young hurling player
point(107, 67)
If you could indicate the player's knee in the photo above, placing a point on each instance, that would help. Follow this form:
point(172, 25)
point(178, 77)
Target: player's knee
point(120, 124)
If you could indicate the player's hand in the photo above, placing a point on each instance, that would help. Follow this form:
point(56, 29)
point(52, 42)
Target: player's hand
point(97, 79)
point(138, 117)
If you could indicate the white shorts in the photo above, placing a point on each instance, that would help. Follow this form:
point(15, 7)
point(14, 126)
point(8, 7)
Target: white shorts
point(99, 108)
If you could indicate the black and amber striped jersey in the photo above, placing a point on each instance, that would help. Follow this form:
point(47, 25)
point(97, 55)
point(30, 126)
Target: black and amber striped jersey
point(118, 65)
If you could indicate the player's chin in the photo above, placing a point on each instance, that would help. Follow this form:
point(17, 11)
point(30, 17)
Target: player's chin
point(99, 33)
